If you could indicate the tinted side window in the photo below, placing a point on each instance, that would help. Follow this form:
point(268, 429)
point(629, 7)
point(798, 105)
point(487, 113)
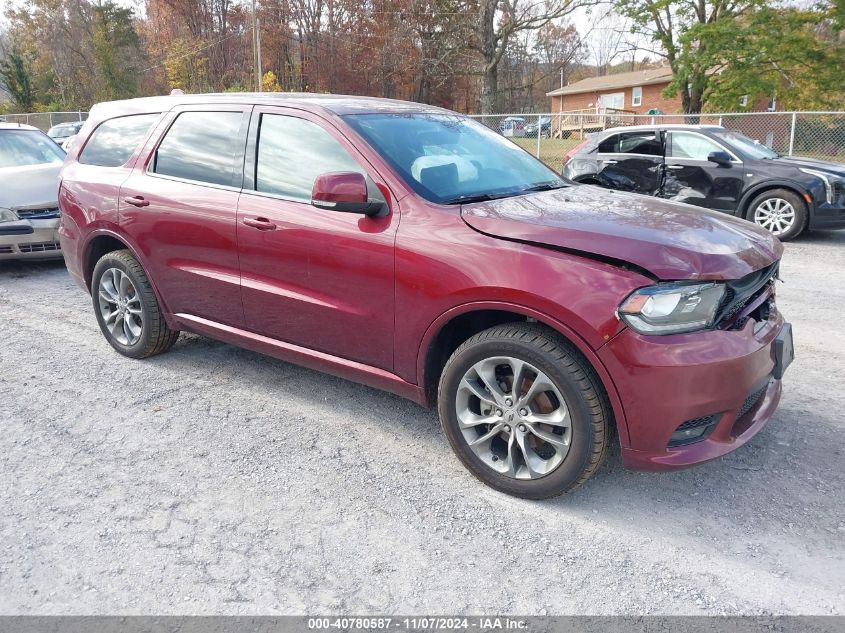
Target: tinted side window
point(692, 146)
point(113, 142)
point(200, 146)
point(640, 143)
point(633, 143)
point(609, 145)
point(292, 152)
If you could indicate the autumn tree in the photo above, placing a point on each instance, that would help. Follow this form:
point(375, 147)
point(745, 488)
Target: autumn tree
point(496, 22)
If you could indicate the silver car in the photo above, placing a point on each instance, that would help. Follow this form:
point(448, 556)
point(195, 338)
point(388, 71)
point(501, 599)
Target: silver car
point(29, 182)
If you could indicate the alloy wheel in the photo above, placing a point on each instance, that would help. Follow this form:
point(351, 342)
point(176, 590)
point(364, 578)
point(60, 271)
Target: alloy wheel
point(120, 306)
point(513, 417)
point(776, 215)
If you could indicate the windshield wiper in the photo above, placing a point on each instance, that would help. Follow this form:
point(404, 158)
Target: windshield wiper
point(483, 197)
point(545, 186)
point(479, 197)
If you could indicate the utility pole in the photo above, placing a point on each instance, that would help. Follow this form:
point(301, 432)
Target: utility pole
point(256, 47)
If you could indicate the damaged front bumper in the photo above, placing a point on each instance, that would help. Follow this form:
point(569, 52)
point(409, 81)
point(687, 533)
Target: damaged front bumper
point(30, 239)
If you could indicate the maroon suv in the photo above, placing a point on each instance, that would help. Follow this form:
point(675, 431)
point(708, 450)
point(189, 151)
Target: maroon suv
point(412, 249)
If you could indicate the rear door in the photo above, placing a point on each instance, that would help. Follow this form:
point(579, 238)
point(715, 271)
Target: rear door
point(91, 184)
point(316, 278)
point(693, 179)
point(631, 161)
point(180, 207)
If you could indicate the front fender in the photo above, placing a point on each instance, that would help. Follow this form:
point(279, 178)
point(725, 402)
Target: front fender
point(580, 343)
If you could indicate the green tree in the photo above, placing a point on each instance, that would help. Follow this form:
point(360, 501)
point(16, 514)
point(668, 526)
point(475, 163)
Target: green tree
point(116, 48)
point(793, 54)
point(15, 79)
point(720, 50)
point(687, 33)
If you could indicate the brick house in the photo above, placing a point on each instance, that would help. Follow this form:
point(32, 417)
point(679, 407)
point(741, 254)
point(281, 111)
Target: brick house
point(638, 91)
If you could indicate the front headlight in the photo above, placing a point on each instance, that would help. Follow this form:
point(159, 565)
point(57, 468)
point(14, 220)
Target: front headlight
point(6, 215)
point(828, 180)
point(672, 308)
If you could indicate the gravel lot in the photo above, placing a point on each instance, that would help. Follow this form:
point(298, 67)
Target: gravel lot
point(215, 480)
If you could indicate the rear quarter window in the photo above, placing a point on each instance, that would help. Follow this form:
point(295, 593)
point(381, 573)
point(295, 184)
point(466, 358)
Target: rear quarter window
point(113, 142)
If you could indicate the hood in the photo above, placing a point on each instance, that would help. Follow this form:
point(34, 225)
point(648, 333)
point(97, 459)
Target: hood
point(811, 163)
point(672, 241)
point(30, 185)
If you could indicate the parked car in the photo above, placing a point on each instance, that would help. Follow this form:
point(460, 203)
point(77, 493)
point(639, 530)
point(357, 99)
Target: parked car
point(63, 132)
point(512, 126)
point(536, 315)
point(709, 166)
point(29, 173)
point(545, 125)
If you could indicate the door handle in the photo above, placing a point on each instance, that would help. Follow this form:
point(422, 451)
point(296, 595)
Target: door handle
point(674, 166)
point(609, 162)
point(262, 224)
point(136, 201)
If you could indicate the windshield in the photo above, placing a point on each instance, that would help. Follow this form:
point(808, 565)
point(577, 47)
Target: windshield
point(25, 147)
point(64, 129)
point(746, 145)
point(449, 159)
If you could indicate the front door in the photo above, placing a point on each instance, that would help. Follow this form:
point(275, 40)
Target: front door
point(693, 179)
point(315, 278)
point(180, 205)
point(631, 161)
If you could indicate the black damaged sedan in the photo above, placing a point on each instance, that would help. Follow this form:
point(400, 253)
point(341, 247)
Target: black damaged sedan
point(709, 166)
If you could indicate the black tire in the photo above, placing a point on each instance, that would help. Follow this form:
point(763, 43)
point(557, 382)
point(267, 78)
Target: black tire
point(798, 204)
point(589, 411)
point(155, 336)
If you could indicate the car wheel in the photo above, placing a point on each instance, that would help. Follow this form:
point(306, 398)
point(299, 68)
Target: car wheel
point(126, 307)
point(524, 412)
point(781, 212)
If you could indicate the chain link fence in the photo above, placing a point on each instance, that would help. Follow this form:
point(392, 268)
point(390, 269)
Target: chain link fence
point(550, 136)
point(44, 120)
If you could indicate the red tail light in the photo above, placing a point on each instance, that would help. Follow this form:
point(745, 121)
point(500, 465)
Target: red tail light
point(573, 151)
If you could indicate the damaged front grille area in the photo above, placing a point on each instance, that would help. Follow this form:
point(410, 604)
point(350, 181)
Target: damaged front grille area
point(741, 292)
point(40, 213)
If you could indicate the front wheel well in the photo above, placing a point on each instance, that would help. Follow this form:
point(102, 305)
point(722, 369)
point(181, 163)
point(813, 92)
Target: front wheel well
point(452, 335)
point(746, 206)
point(98, 247)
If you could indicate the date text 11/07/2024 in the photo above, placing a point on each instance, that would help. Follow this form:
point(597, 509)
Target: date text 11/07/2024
point(418, 623)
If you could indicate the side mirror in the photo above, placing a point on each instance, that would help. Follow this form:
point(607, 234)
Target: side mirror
point(721, 158)
point(344, 191)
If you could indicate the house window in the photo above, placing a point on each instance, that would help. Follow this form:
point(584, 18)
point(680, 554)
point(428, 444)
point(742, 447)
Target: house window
point(743, 101)
point(614, 100)
point(637, 96)
point(773, 104)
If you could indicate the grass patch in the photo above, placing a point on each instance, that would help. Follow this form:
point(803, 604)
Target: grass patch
point(552, 150)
